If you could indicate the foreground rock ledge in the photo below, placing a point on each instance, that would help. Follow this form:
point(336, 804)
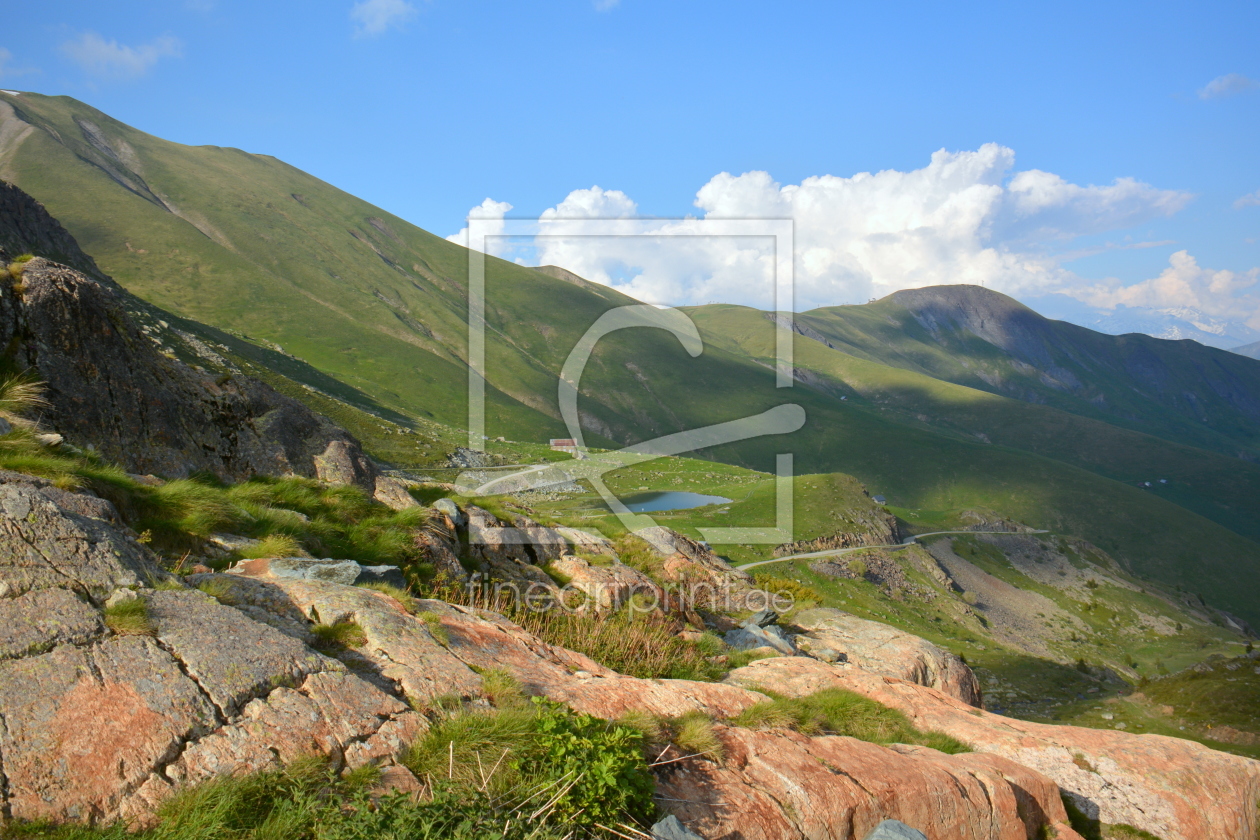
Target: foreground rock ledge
point(1172, 788)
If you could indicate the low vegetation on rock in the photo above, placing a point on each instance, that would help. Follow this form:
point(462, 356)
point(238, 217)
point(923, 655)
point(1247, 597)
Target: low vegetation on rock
point(834, 711)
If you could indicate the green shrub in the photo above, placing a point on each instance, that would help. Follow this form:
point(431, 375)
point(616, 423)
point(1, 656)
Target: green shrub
point(797, 591)
point(835, 711)
point(129, 618)
point(591, 770)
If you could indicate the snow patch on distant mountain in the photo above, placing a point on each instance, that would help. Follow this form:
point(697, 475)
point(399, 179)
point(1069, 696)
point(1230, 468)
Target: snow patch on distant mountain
point(1176, 323)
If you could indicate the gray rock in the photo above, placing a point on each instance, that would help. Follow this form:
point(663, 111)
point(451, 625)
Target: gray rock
point(112, 390)
point(748, 638)
point(762, 618)
point(121, 596)
point(829, 655)
point(45, 547)
point(382, 574)
point(232, 658)
point(5, 426)
point(895, 830)
point(451, 509)
point(671, 828)
point(37, 621)
point(344, 572)
point(776, 631)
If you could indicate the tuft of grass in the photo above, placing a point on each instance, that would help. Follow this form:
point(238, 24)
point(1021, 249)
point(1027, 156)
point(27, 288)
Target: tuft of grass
point(274, 545)
point(835, 711)
point(653, 730)
point(502, 689)
point(640, 645)
point(20, 394)
point(130, 618)
point(335, 638)
point(636, 553)
point(693, 733)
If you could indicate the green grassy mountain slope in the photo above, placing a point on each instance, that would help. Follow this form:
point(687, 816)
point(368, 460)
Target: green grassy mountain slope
point(339, 296)
point(1179, 390)
point(1219, 487)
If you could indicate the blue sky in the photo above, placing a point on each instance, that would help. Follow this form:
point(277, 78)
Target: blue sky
point(428, 107)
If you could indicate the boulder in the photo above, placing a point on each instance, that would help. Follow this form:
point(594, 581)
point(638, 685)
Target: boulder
point(752, 637)
point(1171, 788)
point(881, 649)
point(705, 579)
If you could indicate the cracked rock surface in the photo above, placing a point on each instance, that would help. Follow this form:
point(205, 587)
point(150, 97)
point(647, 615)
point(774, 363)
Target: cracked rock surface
point(96, 726)
point(1169, 787)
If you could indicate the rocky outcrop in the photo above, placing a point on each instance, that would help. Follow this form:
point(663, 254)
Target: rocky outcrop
point(1171, 788)
point(97, 725)
point(877, 527)
point(110, 389)
point(26, 227)
point(45, 546)
point(776, 785)
point(881, 649)
point(687, 561)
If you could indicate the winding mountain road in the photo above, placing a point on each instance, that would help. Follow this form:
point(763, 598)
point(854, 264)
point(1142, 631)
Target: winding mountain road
point(906, 543)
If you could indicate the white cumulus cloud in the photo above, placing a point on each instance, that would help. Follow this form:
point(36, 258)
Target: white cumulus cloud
point(1231, 295)
point(110, 60)
point(373, 17)
point(1227, 85)
point(965, 217)
point(488, 209)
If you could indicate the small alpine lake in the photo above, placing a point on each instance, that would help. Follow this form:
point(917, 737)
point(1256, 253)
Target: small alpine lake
point(670, 500)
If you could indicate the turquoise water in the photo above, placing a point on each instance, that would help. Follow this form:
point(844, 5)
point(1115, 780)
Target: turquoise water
point(670, 500)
